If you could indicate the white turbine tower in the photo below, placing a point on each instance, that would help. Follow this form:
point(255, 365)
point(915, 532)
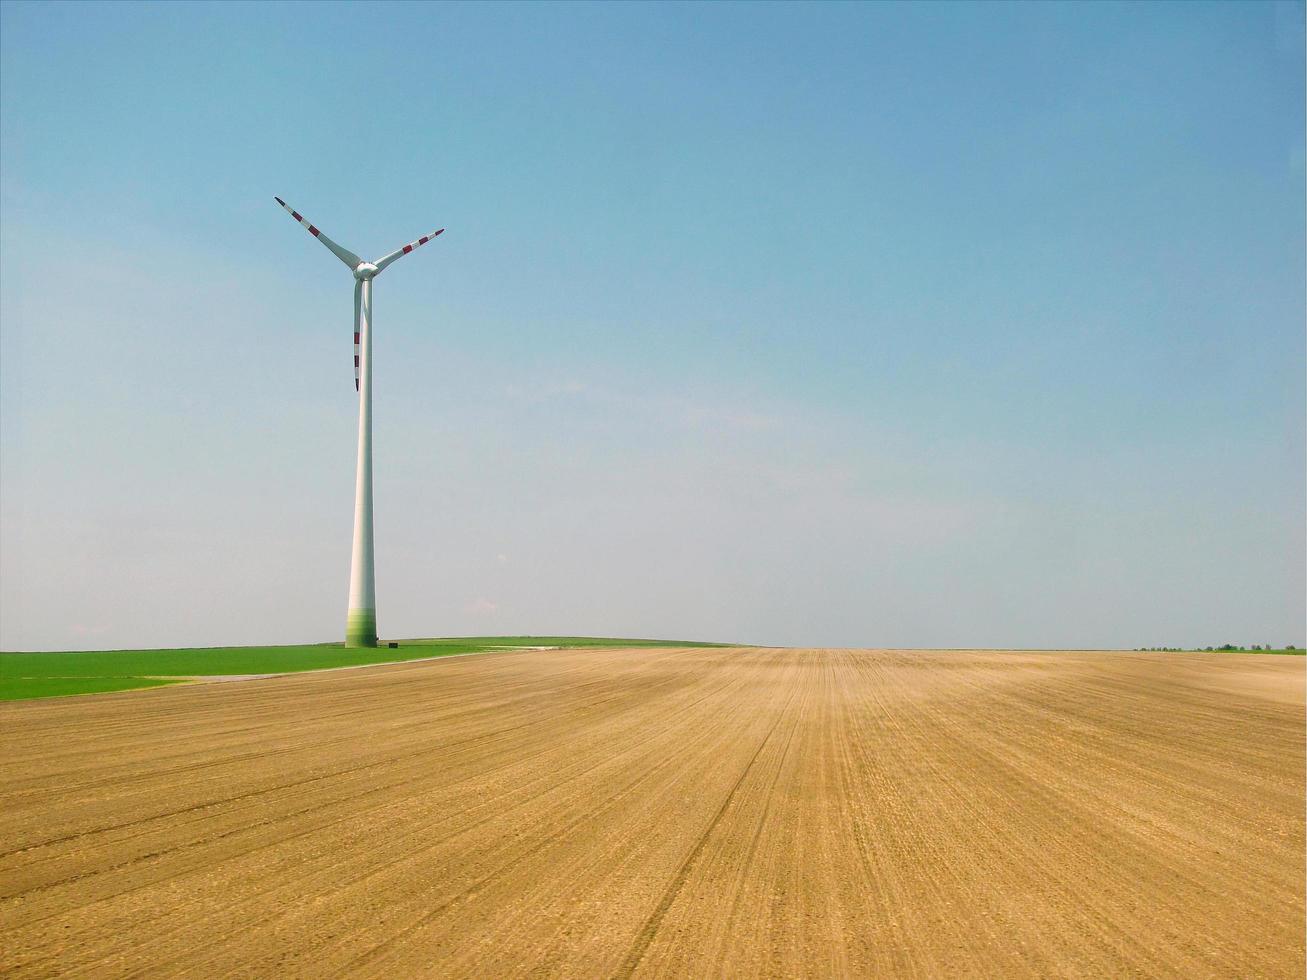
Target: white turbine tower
point(361, 621)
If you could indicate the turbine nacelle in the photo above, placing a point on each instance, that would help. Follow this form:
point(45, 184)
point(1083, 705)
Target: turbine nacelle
point(365, 270)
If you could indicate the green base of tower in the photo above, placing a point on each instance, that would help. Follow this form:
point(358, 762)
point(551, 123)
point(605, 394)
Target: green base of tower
point(361, 628)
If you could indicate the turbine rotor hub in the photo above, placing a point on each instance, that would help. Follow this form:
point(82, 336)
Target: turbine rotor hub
point(365, 270)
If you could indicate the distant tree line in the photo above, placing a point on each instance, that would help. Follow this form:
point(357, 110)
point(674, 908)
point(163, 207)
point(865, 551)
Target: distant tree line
point(1223, 648)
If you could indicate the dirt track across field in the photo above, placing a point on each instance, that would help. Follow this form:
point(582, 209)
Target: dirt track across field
point(683, 812)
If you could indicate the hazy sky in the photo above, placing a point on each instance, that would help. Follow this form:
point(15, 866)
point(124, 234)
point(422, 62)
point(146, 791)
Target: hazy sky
point(845, 325)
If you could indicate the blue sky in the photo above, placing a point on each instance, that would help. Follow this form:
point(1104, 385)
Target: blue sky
point(919, 325)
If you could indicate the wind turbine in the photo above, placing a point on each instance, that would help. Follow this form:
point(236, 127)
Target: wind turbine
point(361, 621)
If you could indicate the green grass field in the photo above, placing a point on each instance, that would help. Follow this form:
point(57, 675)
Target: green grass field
point(47, 675)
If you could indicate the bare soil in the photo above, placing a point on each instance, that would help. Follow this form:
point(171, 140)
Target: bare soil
point(685, 812)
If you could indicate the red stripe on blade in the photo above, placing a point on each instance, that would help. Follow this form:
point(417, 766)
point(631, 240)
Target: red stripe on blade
point(313, 231)
point(423, 240)
point(356, 340)
point(407, 249)
point(296, 216)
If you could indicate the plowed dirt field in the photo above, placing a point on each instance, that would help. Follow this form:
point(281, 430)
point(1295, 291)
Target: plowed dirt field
point(665, 812)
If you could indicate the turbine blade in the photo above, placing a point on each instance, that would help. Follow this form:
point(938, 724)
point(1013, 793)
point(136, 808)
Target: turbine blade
point(344, 254)
point(358, 322)
point(401, 252)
